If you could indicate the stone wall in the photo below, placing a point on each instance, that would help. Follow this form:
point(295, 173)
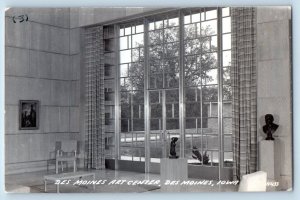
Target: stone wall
point(39, 65)
point(274, 84)
point(89, 16)
point(43, 62)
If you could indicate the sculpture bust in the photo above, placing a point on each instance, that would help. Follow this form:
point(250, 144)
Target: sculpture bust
point(270, 127)
point(172, 147)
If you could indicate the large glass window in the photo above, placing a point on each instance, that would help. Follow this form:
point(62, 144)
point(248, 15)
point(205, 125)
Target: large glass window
point(206, 59)
point(132, 144)
point(226, 88)
point(163, 71)
point(201, 87)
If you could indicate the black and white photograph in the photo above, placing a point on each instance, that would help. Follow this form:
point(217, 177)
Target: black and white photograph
point(148, 99)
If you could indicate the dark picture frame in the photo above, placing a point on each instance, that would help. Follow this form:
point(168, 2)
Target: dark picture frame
point(29, 114)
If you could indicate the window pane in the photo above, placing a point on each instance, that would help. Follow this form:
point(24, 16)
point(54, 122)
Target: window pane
point(121, 32)
point(125, 110)
point(138, 97)
point(191, 62)
point(210, 93)
point(227, 92)
point(151, 26)
point(156, 69)
point(124, 70)
point(125, 56)
point(172, 95)
point(226, 25)
point(209, 28)
point(193, 78)
point(124, 125)
point(155, 124)
point(228, 159)
point(211, 77)
point(215, 158)
point(159, 24)
point(172, 80)
point(128, 31)
point(190, 123)
point(192, 46)
point(227, 126)
point(174, 22)
point(226, 58)
point(172, 124)
point(172, 110)
point(155, 52)
point(156, 81)
point(155, 96)
point(206, 112)
point(213, 109)
point(227, 109)
point(212, 142)
point(125, 84)
point(193, 109)
point(138, 124)
point(212, 14)
point(172, 34)
point(187, 19)
point(155, 37)
point(124, 42)
point(205, 44)
point(137, 54)
point(137, 111)
point(190, 94)
point(214, 43)
point(226, 76)
point(226, 41)
point(137, 40)
point(189, 31)
point(171, 50)
point(209, 60)
point(225, 11)
point(212, 126)
point(139, 28)
point(196, 17)
point(125, 97)
point(171, 65)
point(227, 143)
point(156, 111)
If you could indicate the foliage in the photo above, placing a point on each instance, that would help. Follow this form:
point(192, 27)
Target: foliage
point(164, 67)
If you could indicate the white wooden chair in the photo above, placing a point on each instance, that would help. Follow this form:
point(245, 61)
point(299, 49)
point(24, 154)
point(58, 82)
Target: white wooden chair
point(67, 153)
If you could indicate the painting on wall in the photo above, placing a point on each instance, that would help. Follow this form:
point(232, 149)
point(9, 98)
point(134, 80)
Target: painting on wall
point(28, 114)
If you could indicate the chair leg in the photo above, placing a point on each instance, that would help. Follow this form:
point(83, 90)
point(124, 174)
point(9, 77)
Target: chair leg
point(75, 167)
point(56, 167)
point(62, 166)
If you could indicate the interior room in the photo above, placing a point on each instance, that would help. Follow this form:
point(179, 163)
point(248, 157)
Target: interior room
point(192, 95)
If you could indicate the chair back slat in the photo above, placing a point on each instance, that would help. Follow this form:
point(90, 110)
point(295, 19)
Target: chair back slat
point(69, 145)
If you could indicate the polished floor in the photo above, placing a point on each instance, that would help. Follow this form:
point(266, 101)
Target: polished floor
point(33, 181)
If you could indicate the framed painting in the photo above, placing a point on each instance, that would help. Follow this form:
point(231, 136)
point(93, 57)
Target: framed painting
point(28, 114)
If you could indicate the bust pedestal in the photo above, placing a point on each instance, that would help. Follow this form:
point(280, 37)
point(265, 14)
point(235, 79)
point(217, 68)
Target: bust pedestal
point(266, 158)
point(173, 170)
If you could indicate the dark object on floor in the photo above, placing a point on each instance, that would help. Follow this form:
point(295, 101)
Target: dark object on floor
point(270, 127)
point(172, 147)
point(197, 154)
point(205, 158)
